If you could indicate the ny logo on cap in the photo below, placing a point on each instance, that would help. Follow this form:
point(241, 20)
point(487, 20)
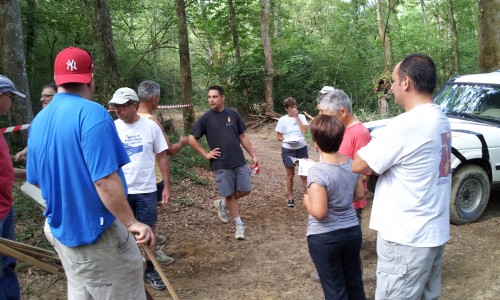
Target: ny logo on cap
point(71, 65)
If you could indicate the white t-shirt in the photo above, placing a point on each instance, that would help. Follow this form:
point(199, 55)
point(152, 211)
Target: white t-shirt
point(412, 197)
point(142, 140)
point(293, 138)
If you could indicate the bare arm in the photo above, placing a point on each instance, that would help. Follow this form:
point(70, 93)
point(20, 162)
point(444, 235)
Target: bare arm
point(303, 128)
point(247, 145)
point(112, 194)
point(173, 149)
point(280, 137)
point(316, 202)
point(193, 142)
point(360, 166)
point(359, 190)
point(21, 155)
point(19, 173)
point(164, 166)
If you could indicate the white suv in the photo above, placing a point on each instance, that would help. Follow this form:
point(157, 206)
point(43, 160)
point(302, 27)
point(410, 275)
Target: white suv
point(472, 105)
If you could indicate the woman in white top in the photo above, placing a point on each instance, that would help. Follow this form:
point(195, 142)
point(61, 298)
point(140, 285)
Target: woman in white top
point(291, 131)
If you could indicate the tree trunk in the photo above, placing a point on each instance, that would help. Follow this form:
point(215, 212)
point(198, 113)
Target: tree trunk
point(456, 65)
point(237, 52)
point(268, 86)
point(31, 22)
point(13, 60)
point(426, 25)
point(277, 20)
point(383, 101)
point(488, 31)
point(382, 30)
point(103, 33)
point(185, 65)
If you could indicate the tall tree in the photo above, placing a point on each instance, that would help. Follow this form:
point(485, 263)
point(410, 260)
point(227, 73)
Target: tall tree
point(103, 33)
point(268, 86)
point(454, 32)
point(489, 35)
point(13, 59)
point(383, 93)
point(237, 51)
point(185, 64)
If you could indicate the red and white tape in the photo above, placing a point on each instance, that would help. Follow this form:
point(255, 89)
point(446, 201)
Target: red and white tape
point(175, 106)
point(26, 126)
point(14, 128)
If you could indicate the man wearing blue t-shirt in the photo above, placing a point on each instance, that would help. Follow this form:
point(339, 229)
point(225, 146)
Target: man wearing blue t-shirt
point(75, 156)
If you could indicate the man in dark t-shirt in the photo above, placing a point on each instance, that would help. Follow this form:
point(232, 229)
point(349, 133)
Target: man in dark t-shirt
point(225, 132)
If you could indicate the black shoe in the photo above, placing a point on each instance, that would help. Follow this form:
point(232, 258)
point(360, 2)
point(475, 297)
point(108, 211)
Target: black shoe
point(155, 280)
point(291, 203)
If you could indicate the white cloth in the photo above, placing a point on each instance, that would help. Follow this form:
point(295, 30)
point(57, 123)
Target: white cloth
point(412, 198)
point(290, 129)
point(142, 139)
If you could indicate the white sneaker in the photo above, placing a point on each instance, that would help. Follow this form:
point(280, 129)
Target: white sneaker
point(221, 211)
point(162, 257)
point(240, 232)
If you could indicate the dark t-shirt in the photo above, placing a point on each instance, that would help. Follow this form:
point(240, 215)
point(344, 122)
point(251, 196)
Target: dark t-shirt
point(222, 130)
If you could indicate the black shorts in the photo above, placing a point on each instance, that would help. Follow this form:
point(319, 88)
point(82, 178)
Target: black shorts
point(297, 153)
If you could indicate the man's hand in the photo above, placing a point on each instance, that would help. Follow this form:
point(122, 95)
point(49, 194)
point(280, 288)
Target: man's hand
point(215, 154)
point(295, 112)
point(165, 197)
point(142, 233)
point(21, 155)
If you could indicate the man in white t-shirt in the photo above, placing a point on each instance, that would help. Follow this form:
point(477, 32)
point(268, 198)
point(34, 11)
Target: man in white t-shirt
point(291, 130)
point(144, 141)
point(410, 209)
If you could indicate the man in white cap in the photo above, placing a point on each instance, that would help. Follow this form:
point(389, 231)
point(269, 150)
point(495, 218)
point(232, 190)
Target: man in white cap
point(9, 285)
point(144, 141)
point(75, 156)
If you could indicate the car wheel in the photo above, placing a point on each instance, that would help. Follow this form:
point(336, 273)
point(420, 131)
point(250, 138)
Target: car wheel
point(470, 193)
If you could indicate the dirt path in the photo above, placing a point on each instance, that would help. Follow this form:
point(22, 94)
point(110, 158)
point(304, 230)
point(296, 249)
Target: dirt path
point(273, 262)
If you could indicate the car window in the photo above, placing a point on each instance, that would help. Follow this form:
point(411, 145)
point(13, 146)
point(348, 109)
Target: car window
point(476, 100)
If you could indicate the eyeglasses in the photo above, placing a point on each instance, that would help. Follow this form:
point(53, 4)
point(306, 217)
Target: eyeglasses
point(47, 95)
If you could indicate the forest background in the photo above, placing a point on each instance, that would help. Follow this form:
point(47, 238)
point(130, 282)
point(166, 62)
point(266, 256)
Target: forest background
point(261, 51)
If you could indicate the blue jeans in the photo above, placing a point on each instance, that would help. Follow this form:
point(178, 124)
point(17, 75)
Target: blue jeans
point(144, 207)
point(336, 257)
point(9, 285)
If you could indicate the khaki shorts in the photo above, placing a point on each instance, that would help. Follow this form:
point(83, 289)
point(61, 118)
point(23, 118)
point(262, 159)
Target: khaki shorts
point(111, 268)
point(405, 272)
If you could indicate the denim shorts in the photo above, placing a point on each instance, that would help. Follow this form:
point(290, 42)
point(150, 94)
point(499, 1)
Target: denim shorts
point(297, 153)
point(144, 207)
point(230, 181)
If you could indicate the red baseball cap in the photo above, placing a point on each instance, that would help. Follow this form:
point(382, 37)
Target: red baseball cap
point(73, 65)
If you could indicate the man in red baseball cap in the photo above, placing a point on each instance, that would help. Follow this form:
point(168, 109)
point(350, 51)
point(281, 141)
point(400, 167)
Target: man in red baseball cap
point(75, 156)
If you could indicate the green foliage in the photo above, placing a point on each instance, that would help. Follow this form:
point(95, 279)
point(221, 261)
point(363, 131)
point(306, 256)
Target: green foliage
point(314, 43)
point(183, 164)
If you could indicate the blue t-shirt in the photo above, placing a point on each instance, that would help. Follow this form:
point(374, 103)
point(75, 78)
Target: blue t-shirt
point(222, 130)
point(73, 143)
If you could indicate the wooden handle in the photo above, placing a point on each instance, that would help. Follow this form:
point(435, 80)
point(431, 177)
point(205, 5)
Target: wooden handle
point(159, 270)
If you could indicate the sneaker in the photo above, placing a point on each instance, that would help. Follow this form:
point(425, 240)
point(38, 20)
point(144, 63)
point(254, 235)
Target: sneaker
point(221, 211)
point(160, 239)
point(240, 232)
point(154, 280)
point(162, 257)
point(291, 203)
point(315, 276)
